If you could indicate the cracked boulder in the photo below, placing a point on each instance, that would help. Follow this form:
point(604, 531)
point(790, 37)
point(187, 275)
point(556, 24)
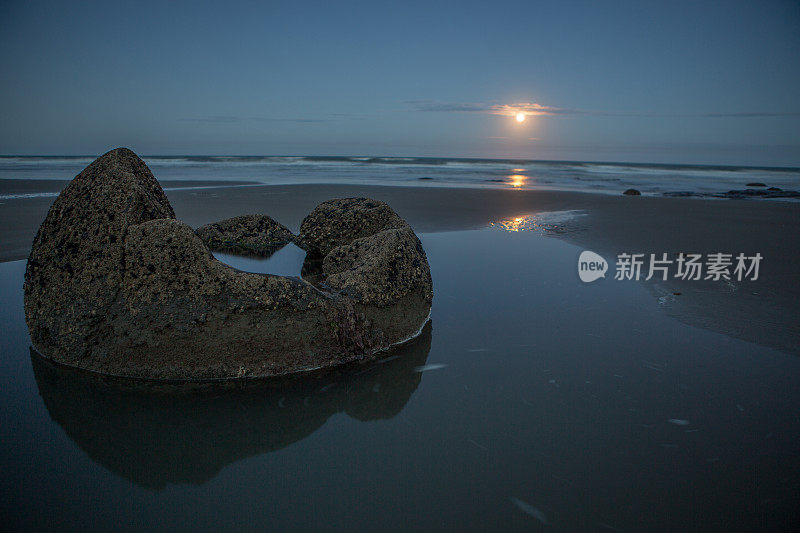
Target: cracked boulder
point(116, 285)
point(341, 221)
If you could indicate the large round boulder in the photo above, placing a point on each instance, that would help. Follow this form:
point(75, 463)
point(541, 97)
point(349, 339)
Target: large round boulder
point(116, 285)
point(74, 271)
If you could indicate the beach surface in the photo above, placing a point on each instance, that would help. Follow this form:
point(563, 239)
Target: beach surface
point(762, 311)
point(530, 396)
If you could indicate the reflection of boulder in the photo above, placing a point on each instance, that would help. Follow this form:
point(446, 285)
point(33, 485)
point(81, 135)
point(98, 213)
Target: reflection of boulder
point(154, 434)
point(116, 285)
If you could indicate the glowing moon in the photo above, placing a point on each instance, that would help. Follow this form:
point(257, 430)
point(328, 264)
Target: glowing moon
point(520, 117)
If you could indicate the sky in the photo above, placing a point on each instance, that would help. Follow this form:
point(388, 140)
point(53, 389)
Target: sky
point(673, 82)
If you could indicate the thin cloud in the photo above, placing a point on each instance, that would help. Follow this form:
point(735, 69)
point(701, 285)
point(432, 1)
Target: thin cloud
point(437, 107)
point(747, 114)
point(229, 119)
point(535, 109)
point(219, 119)
point(349, 116)
point(529, 108)
point(295, 120)
point(738, 114)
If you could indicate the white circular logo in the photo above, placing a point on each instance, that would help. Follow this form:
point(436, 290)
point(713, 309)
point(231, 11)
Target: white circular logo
point(591, 266)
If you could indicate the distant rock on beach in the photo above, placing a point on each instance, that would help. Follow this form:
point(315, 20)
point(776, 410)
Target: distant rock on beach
point(771, 192)
point(632, 192)
point(115, 284)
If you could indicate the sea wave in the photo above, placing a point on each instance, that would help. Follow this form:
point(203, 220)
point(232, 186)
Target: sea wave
point(598, 177)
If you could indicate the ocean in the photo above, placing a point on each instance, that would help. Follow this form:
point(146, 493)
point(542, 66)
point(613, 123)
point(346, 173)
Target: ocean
point(606, 178)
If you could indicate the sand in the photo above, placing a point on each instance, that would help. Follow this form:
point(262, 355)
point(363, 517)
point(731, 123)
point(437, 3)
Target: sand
point(765, 311)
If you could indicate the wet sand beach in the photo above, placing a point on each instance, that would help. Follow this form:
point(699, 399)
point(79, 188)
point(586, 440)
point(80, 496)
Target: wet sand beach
point(763, 311)
point(529, 397)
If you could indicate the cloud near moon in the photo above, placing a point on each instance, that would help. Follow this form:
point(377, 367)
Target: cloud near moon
point(506, 110)
point(527, 109)
point(534, 109)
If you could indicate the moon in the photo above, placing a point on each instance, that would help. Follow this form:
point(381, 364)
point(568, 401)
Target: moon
point(520, 117)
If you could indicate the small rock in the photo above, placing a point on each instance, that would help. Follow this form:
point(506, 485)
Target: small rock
point(755, 184)
point(338, 222)
point(632, 192)
point(254, 234)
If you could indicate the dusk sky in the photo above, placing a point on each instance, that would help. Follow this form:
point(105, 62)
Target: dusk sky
point(700, 82)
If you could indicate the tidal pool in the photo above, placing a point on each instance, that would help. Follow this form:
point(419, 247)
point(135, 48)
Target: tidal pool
point(285, 261)
point(531, 400)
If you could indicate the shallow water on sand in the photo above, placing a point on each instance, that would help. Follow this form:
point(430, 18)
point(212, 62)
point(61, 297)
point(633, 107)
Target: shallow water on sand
point(286, 261)
point(531, 400)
